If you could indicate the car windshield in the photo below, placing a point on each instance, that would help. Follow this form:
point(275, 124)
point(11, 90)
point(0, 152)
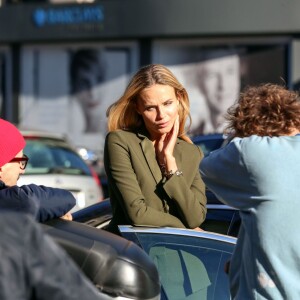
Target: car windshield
point(48, 156)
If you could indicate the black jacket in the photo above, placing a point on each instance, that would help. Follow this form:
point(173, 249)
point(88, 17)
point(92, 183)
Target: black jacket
point(33, 267)
point(44, 203)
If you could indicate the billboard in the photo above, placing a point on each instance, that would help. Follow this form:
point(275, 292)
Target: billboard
point(214, 75)
point(68, 88)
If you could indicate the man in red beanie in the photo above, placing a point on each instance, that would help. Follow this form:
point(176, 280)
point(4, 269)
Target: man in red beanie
point(42, 202)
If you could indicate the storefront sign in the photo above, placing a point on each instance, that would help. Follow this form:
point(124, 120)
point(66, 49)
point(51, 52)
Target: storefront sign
point(68, 15)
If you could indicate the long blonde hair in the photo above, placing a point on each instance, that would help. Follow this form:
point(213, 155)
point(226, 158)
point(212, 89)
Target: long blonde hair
point(123, 115)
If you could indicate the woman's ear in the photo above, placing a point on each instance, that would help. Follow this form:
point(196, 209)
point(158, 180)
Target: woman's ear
point(178, 96)
point(137, 108)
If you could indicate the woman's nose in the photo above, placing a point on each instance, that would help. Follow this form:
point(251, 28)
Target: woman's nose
point(160, 112)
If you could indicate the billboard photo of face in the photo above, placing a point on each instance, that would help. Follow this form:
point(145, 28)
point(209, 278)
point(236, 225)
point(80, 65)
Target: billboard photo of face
point(68, 88)
point(214, 76)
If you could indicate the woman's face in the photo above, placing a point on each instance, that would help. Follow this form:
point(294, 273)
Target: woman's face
point(158, 106)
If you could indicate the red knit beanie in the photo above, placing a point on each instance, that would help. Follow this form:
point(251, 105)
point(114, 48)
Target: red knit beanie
point(11, 142)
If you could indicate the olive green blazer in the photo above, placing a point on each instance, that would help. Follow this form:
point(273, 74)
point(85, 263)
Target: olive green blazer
point(138, 192)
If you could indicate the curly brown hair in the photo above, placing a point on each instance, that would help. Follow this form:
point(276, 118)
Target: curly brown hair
point(264, 110)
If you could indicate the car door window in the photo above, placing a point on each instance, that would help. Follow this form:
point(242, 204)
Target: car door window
point(189, 267)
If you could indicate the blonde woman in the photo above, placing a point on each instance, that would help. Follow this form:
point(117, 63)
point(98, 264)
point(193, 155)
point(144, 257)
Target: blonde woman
point(151, 164)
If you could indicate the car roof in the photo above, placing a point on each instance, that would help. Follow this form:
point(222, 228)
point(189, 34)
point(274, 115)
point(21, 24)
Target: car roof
point(206, 137)
point(220, 217)
point(105, 207)
point(44, 134)
point(48, 137)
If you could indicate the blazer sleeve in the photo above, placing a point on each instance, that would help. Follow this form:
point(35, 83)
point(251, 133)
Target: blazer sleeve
point(190, 198)
point(127, 191)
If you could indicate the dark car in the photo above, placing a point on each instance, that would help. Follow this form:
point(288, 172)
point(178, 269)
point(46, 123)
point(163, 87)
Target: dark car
point(117, 267)
point(220, 218)
point(150, 263)
point(190, 263)
point(209, 142)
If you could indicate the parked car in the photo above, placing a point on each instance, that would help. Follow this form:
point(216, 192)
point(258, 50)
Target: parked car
point(116, 266)
point(219, 219)
point(190, 263)
point(95, 159)
point(149, 263)
point(54, 162)
point(209, 142)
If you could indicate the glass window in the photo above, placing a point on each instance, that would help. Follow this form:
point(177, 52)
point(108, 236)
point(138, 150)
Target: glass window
point(189, 267)
point(47, 157)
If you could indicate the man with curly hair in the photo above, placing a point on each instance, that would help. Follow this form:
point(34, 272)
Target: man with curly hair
point(258, 173)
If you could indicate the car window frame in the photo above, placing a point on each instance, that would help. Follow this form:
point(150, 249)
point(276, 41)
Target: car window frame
point(138, 235)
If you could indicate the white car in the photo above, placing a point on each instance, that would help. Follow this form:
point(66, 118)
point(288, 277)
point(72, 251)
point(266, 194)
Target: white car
point(54, 162)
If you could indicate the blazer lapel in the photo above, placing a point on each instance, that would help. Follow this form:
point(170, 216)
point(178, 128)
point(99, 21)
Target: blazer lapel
point(150, 157)
point(178, 154)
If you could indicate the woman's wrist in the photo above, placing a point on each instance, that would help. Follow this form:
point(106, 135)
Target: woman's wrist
point(170, 163)
point(169, 174)
point(167, 166)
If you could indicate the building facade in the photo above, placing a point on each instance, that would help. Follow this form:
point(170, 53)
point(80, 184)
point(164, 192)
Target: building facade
point(63, 64)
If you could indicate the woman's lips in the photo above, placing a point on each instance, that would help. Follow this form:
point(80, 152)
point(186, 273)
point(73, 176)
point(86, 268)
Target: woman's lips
point(163, 125)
